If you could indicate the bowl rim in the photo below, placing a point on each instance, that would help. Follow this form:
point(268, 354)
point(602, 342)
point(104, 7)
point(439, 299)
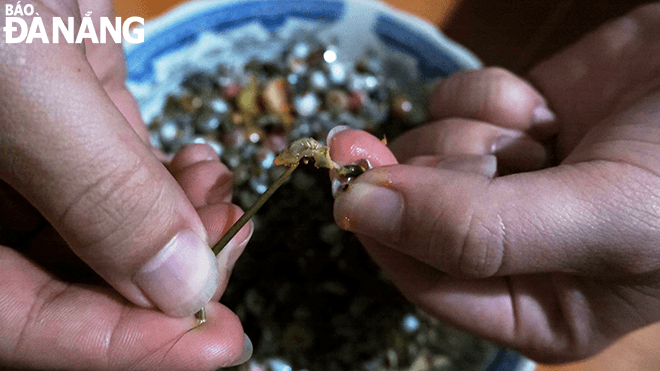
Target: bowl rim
point(158, 26)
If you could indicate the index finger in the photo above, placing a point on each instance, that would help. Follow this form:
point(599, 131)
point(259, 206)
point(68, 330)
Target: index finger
point(496, 96)
point(107, 60)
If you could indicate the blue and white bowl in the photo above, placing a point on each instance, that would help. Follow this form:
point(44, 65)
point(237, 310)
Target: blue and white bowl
point(196, 35)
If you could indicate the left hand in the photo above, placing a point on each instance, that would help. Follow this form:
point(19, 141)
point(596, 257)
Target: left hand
point(557, 262)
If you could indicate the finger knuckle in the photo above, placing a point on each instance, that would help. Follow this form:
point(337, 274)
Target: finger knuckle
point(482, 250)
point(431, 242)
point(112, 207)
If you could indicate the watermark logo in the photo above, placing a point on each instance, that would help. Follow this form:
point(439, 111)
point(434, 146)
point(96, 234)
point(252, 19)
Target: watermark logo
point(19, 29)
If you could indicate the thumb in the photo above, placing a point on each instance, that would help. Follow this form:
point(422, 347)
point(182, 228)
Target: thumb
point(567, 219)
point(74, 156)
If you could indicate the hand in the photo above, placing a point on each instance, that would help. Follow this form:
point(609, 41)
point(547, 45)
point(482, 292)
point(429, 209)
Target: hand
point(74, 152)
point(557, 262)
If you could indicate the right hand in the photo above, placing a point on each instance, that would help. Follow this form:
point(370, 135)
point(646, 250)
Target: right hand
point(75, 152)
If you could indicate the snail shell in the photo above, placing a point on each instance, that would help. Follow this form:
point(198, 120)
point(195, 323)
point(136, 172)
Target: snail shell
point(306, 148)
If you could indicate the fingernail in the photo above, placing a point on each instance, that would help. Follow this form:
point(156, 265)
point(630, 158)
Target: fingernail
point(208, 154)
point(212, 157)
point(369, 209)
point(488, 166)
point(485, 165)
point(232, 251)
point(520, 153)
point(503, 142)
point(229, 255)
point(247, 352)
point(334, 131)
point(542, 115)
point(182, 277)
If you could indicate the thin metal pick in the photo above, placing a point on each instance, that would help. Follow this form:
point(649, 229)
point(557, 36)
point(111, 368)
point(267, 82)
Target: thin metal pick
point(252, 210)
point(349, 171)
point(201, 314)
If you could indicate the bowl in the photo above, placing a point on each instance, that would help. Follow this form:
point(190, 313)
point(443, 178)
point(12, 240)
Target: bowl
point(201, 35)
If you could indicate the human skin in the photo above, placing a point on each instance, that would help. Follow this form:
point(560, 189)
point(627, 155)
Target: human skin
point(75, 153)
point(535, 228)
point(80, 322)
